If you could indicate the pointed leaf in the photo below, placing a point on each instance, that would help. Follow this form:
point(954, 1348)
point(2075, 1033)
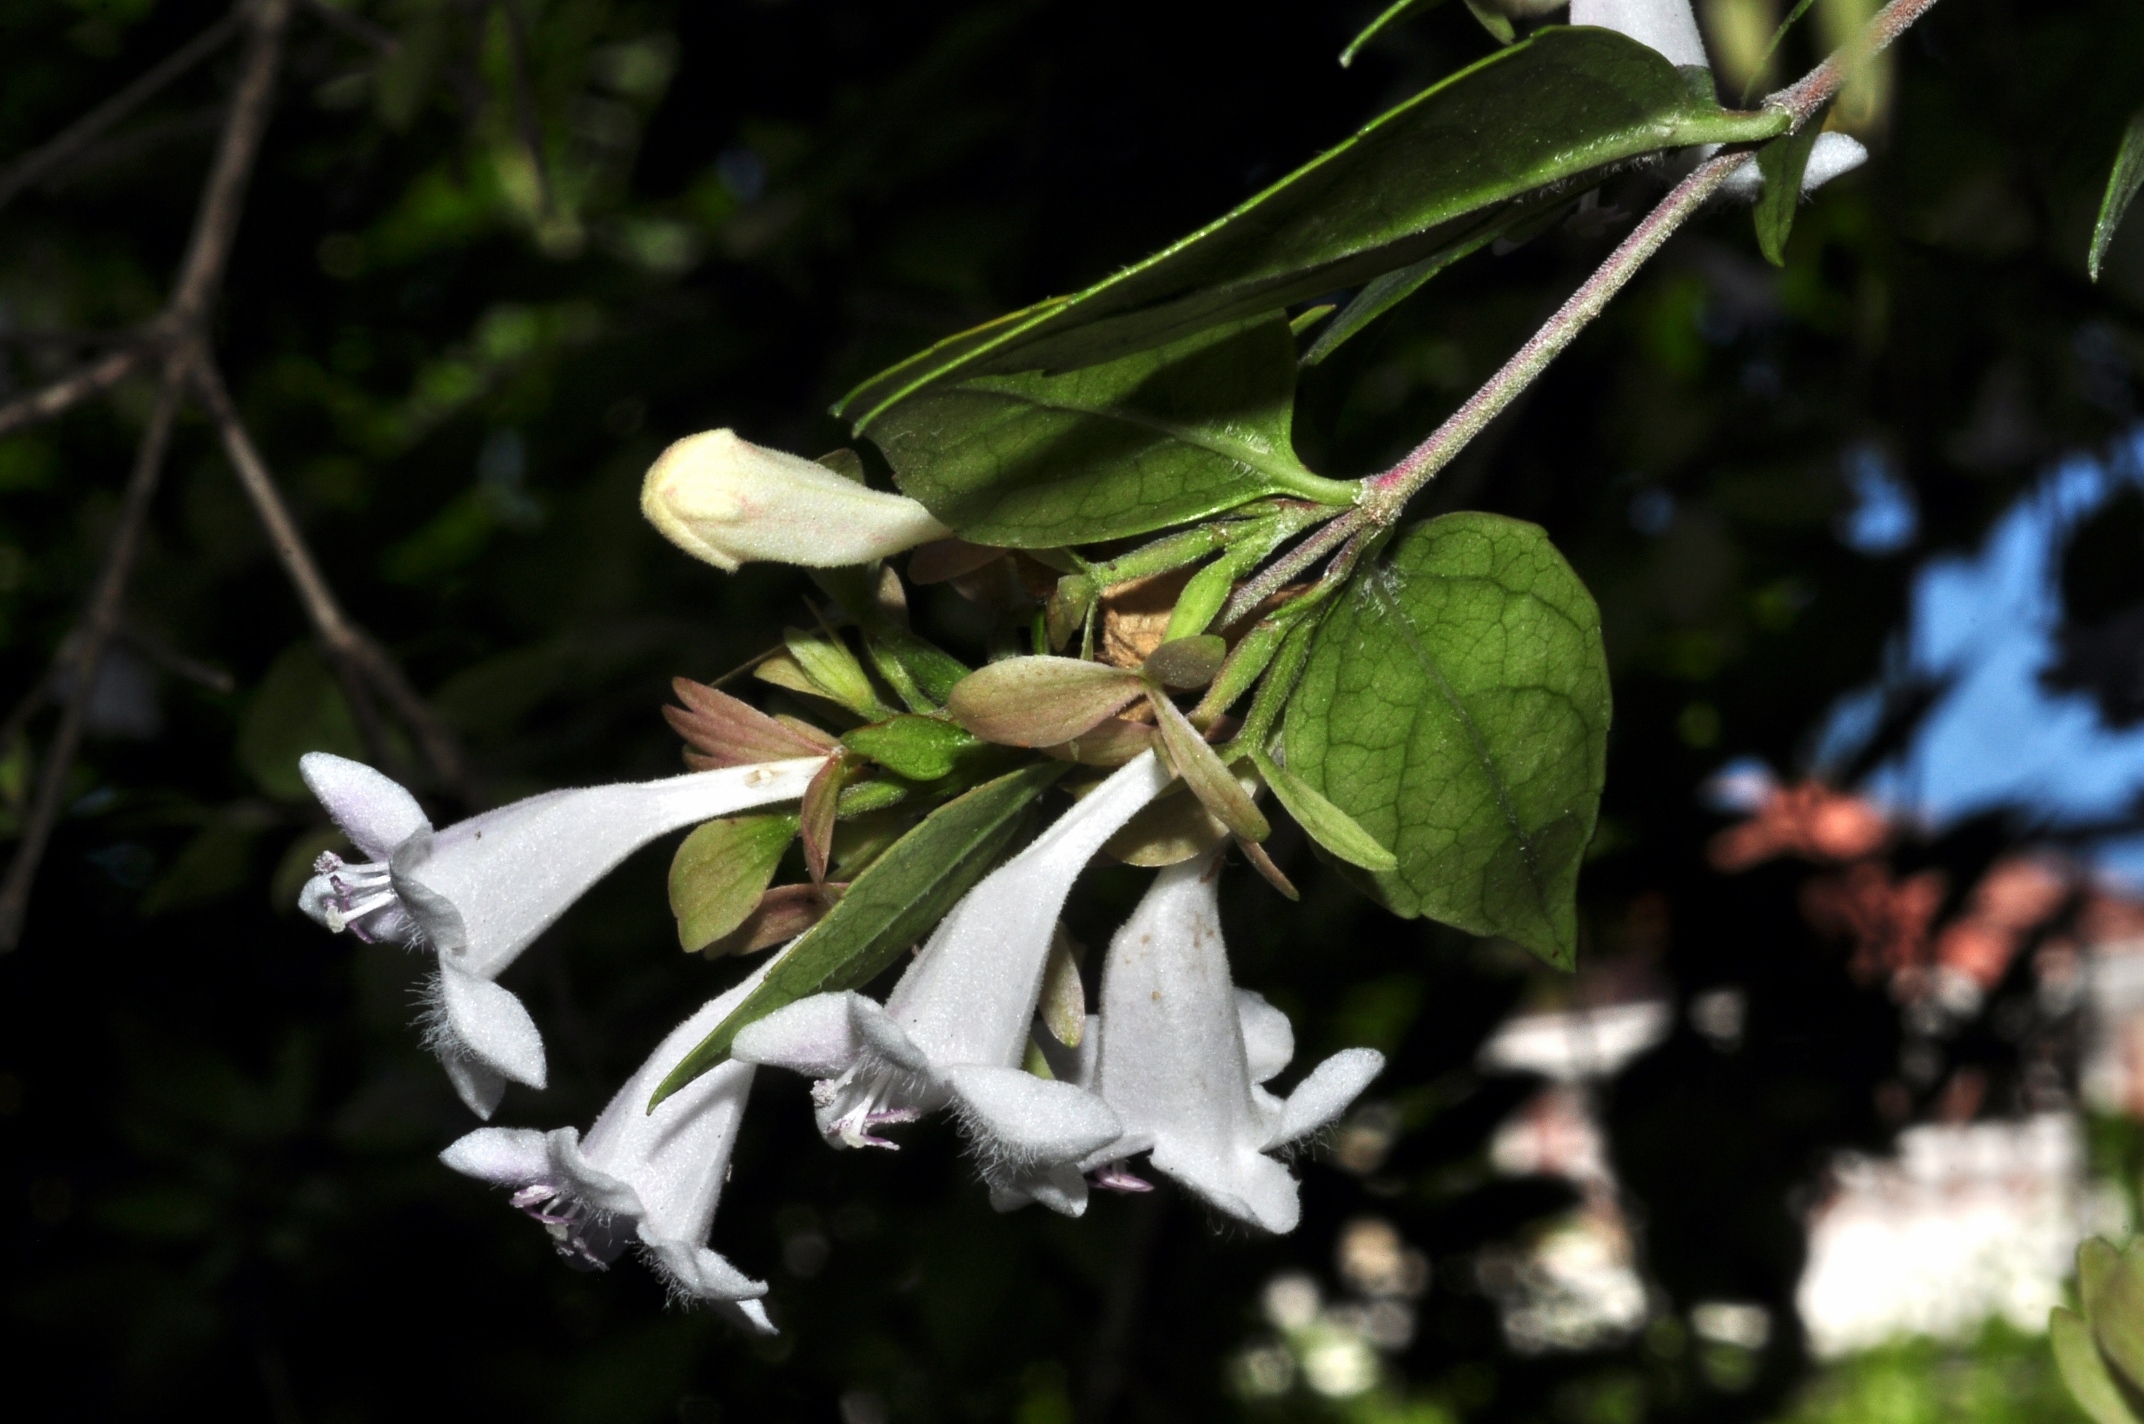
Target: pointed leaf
point(1213, 783)
point(919, 748)
point(723, 731)
point(2085, 1370)
point(1154, 438)
point(721, 870)
point(1255, 855)
point(782, 914)
point(1781, 163)
point(1427, 176)
point(1201, 600)
point(2123, 182)
point(888, 908)
point(1174, 828)
point(1327, 824)
point(918, 669)
point(1455, 704)
point(1386, 292)
point(2117, 1313)
point(1495, 21)
point(816, 814)
point(1041, 701)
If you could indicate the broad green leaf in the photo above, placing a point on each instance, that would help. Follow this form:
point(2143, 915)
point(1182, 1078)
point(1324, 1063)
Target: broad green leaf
point(889, 907)
point(1155, 438)
point(1456, 706)
point(2085, 1370)
point(2122, 184)
point(827, 661)
point(1781, 163)
point(1041, 701)
point(1399, 10)
point(1327, 824)
point(919, 748)
point(1426, 177)
point(721, 870)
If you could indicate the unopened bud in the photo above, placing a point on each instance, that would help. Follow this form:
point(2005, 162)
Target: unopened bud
point(730, 502)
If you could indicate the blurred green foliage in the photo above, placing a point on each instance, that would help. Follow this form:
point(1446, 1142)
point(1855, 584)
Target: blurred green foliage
point(216, 1128)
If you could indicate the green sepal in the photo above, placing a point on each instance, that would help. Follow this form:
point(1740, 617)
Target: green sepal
point(827, 661)
point(2123, 181)
point(1456, 706)
point(888, 907)
point(1496, 22)
point(1326, 823)
point(1781, 164)
point(2091, 1384)
point(721, 870)
point(920, 672)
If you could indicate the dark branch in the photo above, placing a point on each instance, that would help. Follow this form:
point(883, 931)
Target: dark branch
point(84, 131)
point(68, 392)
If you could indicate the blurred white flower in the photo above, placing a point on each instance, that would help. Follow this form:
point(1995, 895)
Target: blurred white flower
point(651, 1177)
point(730, 502)
point(955, 1029)
point(480, 891)
point(1666, 25)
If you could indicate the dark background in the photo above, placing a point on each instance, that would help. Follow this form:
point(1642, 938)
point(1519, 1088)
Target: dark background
point(216, 1127)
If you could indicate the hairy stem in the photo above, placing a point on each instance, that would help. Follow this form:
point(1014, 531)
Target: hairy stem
point(1385, 495)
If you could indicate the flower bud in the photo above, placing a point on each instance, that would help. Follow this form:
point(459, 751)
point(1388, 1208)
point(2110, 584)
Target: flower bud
point(729, 502)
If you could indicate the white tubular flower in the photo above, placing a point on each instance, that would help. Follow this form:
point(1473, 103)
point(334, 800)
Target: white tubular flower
point(638, 1176)
point(727, 501)
point(1182, 1051)
point(480, 891)
point(1665, 25)
point(955, 1029)
point(1833, 155)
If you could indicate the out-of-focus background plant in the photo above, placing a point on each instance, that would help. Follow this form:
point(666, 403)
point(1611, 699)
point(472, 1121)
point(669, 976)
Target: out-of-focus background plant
point(1853, 1058)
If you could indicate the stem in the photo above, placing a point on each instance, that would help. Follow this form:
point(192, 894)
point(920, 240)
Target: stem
point(68, 392)
point(98, 624)
point(84, 131)
point(1387, 494)
point(223, 197)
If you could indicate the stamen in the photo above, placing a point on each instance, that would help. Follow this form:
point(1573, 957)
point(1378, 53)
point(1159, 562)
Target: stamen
point(1117, 1178)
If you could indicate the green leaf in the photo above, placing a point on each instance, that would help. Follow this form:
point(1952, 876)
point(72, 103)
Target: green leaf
point(919, 670)
point(2085, 1371)
point(721, 870)
point(1041, 701)
point(1186, 663)
point(1203, 771)
point(919, 748)
point(1456, 706)
point(889, 907)
point(1156, 438)
point(1327, 824)
point(1399, 10)
point(1756, 77)
point(827, 661)
point(2116, 1309)
point(2122, 184)
point(1386, 292)
point(298, 708)
point(1429, 176)
point(1781, 163)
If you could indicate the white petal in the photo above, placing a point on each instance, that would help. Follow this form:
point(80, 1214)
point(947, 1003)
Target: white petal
point(1268, 1037)
point(750, 1314)
point(1029, 1121)
point(699, 1272)
point(1061, 1189)
point(503, 1156)
point(1325, 1094)
point(1249, 1186)
point(491, 1024)
point(1834, 154)
point(971, 993)
point(1666, 25)
point(480, 1088)
point(815, 1036)
point(374, 811)
point(508, 874)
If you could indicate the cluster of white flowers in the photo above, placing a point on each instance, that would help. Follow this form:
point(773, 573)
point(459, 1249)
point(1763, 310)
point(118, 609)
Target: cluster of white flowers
point(1171, 1067)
